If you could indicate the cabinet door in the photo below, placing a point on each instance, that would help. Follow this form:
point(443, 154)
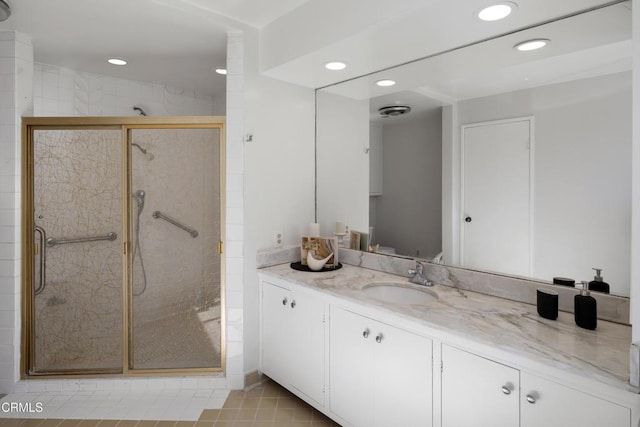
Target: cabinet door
point(545, 403)
point(350, 367)
point(473, 394)
point(403, 378)
point(275, 332)
point(307, 346)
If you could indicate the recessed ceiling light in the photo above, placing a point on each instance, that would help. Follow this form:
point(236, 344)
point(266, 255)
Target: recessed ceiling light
point(531, 44)
point(385, 82)
point(496, 11)
point(335, 65)
point(117, 61)
point(222, 71)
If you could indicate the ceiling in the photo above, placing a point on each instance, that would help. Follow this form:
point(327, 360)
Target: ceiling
point(180, 42)
point(173, 42)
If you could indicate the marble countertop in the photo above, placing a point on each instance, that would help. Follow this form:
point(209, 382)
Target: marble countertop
point(513, 327)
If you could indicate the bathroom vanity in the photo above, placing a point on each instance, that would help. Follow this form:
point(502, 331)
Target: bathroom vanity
point(458, 358)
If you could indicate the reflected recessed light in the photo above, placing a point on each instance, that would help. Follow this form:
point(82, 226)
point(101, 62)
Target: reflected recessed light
point(531, 44)
point(335, 65)
point(117, 61)
point(497, 11)
point(222, 71)
point(385, 82)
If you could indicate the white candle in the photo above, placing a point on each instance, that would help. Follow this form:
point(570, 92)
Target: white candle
point(340, 228)
point(314, 229)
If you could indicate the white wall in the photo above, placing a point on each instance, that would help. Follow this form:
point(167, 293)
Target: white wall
point(582, 173)
point(278, 176)
point(635, 219)
point(409, 214)
point(343, 164)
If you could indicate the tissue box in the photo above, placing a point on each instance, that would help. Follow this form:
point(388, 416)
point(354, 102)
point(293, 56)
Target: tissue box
point(322, 246)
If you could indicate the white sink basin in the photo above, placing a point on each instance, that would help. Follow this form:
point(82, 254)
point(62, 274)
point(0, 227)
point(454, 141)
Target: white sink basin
point(399, 293)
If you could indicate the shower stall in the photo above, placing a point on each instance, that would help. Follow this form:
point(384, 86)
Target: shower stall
point(122, 258)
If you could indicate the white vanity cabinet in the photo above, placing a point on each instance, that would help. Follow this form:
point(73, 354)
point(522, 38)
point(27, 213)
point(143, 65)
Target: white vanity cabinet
point(477, 391)
point(293, 339)
point(546, 403)
point(379, 375)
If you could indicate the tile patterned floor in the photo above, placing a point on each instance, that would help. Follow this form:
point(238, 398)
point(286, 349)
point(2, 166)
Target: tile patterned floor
point(267, 405)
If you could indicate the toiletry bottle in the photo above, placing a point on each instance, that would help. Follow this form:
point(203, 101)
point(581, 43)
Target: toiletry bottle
point(597, 284)
point(585, 309)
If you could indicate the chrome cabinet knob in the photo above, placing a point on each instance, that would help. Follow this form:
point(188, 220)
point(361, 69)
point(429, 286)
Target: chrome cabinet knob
point(379, 338)
point(531, 399)
point(284, 301)
point(506, 390)
point(365, 333)
point(293, 304)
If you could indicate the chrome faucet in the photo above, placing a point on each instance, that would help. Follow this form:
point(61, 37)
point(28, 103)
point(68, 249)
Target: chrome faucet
point(417, 275)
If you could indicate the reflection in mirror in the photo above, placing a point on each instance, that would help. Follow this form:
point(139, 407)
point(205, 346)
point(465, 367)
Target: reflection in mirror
point(512, 162)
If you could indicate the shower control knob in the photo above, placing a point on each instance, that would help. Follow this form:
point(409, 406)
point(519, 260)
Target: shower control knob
point(467, 219)
point(284, 301)
point(293, 304)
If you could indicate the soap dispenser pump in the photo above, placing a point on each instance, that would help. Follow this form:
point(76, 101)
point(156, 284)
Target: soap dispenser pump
point(585, 309)
point(597, 284)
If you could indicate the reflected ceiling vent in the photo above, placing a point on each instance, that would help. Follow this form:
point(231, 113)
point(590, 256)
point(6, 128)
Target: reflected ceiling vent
point(394, 110)
point(5, 11)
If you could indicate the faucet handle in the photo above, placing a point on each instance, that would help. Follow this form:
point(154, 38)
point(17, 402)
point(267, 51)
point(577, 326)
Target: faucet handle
point(419, 270)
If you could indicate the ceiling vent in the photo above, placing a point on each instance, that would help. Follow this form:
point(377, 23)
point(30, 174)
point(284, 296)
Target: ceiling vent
point(394, 110)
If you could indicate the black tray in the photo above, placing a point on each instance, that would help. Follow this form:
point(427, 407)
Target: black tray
point(298, 266)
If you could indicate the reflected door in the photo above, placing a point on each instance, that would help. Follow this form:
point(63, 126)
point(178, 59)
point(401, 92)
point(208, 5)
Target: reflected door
point(496, 197)
point(175, 263)
point(77, 202)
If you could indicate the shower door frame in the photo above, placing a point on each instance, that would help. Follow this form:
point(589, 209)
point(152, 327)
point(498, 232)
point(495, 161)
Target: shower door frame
point(125, 124)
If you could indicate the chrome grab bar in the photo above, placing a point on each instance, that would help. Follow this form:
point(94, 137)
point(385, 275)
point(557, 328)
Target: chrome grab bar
point(190, 230)
point(43, 260)
point(64, 240)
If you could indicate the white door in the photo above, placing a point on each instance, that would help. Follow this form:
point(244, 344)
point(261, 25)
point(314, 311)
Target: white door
point(478, 391)
point(496, 196)
point(545, 403)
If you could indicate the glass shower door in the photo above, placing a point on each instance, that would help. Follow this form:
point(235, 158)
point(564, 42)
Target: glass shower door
point(78, 263)
point(175, 318)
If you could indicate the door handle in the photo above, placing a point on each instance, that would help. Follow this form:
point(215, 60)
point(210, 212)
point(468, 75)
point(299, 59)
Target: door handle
point(467, 219)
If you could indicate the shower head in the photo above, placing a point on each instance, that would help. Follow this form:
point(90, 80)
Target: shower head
point(136, 108)
point(147, 155)
point(139, 196)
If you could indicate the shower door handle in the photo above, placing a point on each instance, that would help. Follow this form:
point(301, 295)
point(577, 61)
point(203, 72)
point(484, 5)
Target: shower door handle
point(43, 259)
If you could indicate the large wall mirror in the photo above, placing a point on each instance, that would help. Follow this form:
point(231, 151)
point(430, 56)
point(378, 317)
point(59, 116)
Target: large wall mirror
point(510, 161)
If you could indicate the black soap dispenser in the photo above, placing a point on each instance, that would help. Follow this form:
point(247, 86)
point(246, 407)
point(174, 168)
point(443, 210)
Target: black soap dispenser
point(597, 284)
point(585, 308)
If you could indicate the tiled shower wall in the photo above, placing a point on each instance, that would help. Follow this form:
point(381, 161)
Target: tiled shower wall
point(16, 76)
point(60, 91)
point(16, 53)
